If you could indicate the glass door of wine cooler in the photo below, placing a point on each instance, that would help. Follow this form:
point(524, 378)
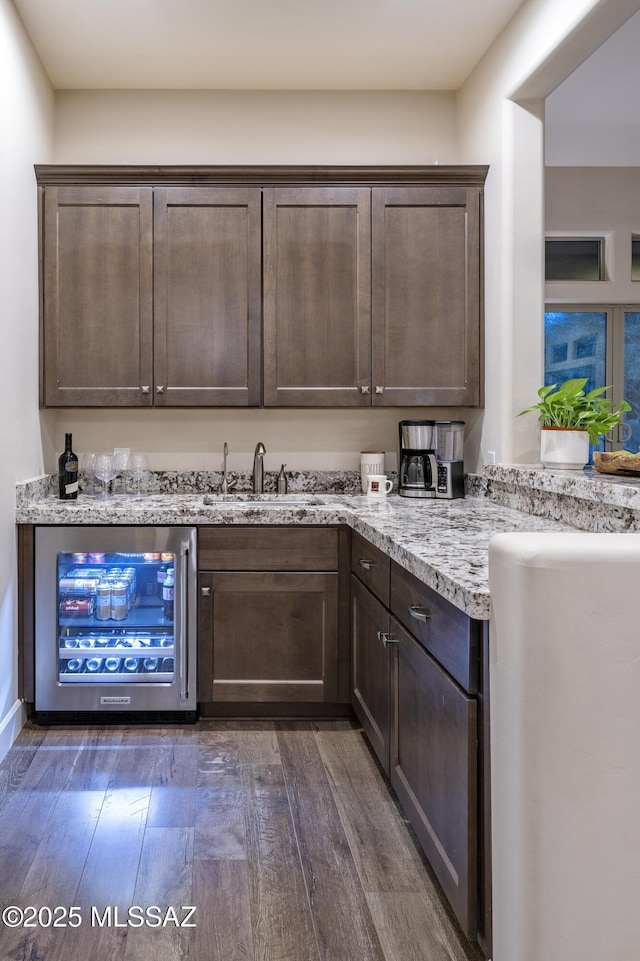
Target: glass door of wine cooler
point(115, 619)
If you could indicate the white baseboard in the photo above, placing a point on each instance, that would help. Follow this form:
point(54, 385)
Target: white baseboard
point(10, 726)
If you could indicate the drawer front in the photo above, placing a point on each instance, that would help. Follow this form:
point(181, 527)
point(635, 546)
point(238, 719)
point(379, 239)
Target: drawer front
point(268, 549)
point(449, 635)
point(371, 566)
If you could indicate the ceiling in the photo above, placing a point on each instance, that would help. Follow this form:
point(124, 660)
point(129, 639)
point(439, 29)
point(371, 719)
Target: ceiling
point(262, 44)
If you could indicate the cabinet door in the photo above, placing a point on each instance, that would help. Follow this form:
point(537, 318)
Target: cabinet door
point(370, 668)
point(426, 305)
point(317, 298)
point(97, 300)
point(434, 770)
point(268, 636)
point(207, 296)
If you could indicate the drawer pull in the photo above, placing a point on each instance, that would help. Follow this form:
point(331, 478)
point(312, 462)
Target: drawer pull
point(205, 591)
point(420, 613)
point(387, 638)
point(366, 564)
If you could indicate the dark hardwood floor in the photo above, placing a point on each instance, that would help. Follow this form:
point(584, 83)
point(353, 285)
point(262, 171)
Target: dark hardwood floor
point(284, 836)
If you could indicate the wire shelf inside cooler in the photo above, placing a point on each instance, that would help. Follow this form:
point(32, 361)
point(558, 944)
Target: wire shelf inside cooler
point(89, 657)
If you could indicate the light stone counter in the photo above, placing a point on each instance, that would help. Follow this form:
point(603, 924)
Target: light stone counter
point(444, 543)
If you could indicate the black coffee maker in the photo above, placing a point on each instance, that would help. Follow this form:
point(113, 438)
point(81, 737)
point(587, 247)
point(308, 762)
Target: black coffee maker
point(418, 468)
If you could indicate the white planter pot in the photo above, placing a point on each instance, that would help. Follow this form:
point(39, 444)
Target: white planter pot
point(564, 449)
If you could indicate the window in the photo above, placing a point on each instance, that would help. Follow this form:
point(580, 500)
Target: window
point(635, 258)
point(574, 260)
point(631, 377)
point(603, 345)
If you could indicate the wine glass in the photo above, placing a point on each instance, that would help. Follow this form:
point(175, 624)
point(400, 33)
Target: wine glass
point(121, 460)
point(139, 466)
point(88, 464)
point(105, 470)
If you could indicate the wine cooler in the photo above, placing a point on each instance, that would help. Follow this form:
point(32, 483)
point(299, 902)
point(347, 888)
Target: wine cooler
point(115, 623)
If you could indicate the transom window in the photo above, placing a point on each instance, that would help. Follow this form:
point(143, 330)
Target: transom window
point(574, 259)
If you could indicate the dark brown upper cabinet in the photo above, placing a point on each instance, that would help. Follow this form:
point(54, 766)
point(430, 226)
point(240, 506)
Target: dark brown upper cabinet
point(317, 296)
point(97, 278)
point(207, 297)
point(251, 286)
point(426, 303)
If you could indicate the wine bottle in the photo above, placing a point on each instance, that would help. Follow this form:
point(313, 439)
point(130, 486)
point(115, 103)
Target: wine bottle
point(167, 595)
point(67, 472)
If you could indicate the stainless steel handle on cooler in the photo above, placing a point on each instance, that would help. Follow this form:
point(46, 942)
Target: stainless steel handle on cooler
point(184, 619)
point(420, 613)
point(366, 564)
point(387, 638)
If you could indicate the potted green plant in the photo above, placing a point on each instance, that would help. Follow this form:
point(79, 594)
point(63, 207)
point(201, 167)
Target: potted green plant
point(570, 419)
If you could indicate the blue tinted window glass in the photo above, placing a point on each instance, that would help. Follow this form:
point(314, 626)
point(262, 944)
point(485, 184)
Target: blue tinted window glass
point(569, 336)
point(585, 335)
point(631, 389)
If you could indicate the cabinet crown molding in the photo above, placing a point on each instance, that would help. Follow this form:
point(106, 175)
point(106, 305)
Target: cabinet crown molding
point(468, 174)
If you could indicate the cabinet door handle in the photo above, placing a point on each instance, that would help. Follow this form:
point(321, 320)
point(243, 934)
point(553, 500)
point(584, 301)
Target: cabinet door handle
point(365, 390)
point(420, 613)
point(379, 390)
point(145, 389)
point(387, 638)
point(159, 390)
point(366, 564)
point(205, 591)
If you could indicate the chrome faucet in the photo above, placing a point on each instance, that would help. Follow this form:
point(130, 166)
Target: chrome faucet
point(226, 485)
point(258, 468)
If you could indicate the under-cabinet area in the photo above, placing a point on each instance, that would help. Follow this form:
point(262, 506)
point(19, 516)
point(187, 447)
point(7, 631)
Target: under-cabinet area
point(249, 287)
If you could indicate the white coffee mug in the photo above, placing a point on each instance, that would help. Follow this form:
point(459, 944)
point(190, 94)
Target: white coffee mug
point(378, 485)
point(371, 462)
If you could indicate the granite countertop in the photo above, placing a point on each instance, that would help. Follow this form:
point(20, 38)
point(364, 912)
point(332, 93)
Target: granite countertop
point(444, 543)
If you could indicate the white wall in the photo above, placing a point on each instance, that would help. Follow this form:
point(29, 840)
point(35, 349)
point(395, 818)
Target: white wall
point(26, 133)
point(251, 127)
point(255, 127)
point(593, 118)
point(596, 202)
point(501, 122)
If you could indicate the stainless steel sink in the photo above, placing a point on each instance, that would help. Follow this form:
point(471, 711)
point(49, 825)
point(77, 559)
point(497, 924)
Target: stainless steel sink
point(264, 500)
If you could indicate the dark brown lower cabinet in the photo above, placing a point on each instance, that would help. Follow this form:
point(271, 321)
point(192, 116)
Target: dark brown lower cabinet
point(433, 769)
point(272, 636)
point(273, 626)
point(371, 667)
point(424, 726)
